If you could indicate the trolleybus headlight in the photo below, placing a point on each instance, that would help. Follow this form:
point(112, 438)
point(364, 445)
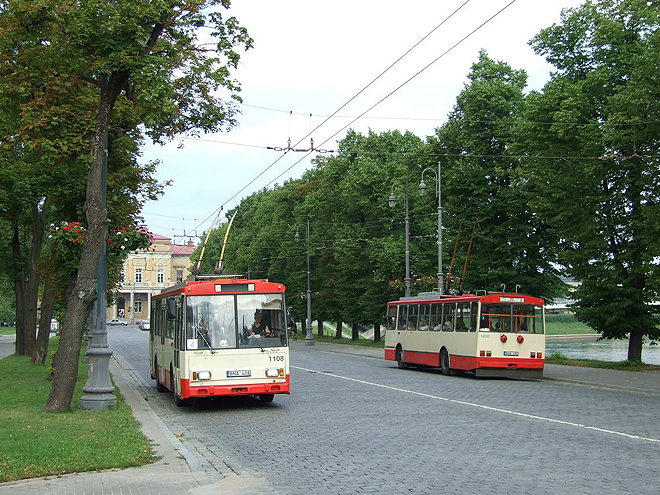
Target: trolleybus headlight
point(503, 338)
point(201, 375)
point(520, 339)
point(274, 372)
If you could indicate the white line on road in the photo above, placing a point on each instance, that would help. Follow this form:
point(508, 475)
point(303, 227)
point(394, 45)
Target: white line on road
point(488, 408)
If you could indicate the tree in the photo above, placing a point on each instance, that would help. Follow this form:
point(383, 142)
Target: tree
point(599, 121)
point(482, 181)
point(144, 54)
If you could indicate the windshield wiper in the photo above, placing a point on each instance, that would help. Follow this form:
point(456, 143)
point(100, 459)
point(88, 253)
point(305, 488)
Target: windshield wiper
point(205, 340)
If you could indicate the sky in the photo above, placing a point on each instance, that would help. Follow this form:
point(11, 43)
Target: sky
point(311, 58)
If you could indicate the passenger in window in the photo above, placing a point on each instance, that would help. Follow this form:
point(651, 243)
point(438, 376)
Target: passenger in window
point(437, 326)
point(424, 325)
point(447, 327)
point(411, 325)
point(259, 327)
point(523, 326)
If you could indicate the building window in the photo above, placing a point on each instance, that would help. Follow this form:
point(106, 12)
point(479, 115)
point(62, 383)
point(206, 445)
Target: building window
point(122, 274)
point(138, 274)
point(179, 275)
point(138, 306)
point(161, 276)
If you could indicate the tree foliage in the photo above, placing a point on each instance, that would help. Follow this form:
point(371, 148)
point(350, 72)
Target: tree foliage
point(596, 175)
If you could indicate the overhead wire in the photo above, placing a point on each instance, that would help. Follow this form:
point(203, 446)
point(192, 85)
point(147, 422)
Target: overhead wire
point(403, 84)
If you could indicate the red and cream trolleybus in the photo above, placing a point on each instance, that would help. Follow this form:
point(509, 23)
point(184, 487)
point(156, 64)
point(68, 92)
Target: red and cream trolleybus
point(495, 334)
point(219, 336)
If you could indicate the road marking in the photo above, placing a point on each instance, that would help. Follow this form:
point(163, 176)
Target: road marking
point(481, 406)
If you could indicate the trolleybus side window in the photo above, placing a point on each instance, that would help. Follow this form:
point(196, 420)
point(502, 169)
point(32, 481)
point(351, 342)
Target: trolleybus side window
point(413, 312)
point(403, 315)
point(463, 317)
point(424, 315)
point(391, 317)
point(474, 310)
point(448, 311)
point(436, 317)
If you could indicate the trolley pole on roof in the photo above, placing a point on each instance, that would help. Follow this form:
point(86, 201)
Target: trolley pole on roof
point(99, 389)
point(438, 192)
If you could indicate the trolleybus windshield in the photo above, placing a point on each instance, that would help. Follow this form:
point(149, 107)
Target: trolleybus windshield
point(228, 321)
point(499, 317)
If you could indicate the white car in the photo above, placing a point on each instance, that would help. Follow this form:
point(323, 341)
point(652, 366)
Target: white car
point(144, 325)
point(117, 321)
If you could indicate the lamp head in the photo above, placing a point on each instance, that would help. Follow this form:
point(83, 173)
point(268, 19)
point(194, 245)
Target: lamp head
point(422, 187)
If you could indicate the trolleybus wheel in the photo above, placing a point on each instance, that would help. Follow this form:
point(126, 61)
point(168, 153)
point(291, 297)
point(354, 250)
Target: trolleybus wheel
point(159, 386)
point(178, 400)
point(266, 397)
point(399, 358)
point(444, 362)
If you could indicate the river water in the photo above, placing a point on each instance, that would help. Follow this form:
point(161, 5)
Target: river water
point(604, 350)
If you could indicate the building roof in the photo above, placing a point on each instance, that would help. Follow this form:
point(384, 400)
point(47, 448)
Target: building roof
point(161, 237)
point(182, 250)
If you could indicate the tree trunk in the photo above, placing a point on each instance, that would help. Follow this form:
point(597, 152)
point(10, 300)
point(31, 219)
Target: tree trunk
point(41, 345)
point(34, 274)
point(80, 299)
point(635, 345)
point(376, 332)
point(19, 288)
point(320, 326)
point(339, 330)
point(354, 332)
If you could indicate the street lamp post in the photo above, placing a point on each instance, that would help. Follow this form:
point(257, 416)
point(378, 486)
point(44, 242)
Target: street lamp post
point(392, 202)
point(99, 389)
point(309, 338)
point(438, 191)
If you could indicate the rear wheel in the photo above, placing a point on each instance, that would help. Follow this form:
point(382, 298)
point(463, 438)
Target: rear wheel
point(399, 358)
point(444, 362)
point(266, 397)
point(159, 386)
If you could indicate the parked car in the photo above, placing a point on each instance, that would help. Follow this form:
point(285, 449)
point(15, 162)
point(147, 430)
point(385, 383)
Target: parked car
point(144, 325)
point(117, 321)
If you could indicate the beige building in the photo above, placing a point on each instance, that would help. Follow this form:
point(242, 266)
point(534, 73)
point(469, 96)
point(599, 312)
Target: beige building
point(148, 272)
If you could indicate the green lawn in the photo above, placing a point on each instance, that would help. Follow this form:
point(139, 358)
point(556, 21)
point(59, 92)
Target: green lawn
point(558, 358)
point(567, 327)
point(35, 443)
point(7, 330)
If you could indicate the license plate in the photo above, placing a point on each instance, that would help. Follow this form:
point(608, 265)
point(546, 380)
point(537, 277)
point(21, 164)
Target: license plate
point(510, 353)
point(238, 373)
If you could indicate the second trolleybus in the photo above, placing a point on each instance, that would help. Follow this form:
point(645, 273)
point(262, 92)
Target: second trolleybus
point(220, 336)
point(496, 334)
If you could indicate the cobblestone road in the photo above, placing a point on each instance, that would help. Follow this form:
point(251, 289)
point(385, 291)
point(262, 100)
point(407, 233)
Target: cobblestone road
point(360, 425)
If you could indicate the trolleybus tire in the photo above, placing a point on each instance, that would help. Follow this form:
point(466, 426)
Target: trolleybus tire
point(159, 386)
point(178, 401)
point(266, 397)
point(399, 358)
point(444, 362)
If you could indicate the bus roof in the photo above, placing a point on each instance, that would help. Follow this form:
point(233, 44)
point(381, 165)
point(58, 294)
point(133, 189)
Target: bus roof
point(222, 285)
point(490, 297)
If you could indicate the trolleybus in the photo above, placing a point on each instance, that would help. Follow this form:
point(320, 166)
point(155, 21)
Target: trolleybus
point(496, 334)
point(219, 336)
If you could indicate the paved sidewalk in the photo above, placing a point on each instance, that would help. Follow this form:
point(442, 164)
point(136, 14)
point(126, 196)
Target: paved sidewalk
point(180, 471)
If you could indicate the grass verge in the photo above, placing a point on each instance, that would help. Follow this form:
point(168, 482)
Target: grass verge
point(35, 443)
point(7, 330)
point(559, 358)
point(567, 328)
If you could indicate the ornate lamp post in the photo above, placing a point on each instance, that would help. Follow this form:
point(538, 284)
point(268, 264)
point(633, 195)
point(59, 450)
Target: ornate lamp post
point(309, 338)
point(392, 202)
point(99, 389)
point(438, 192)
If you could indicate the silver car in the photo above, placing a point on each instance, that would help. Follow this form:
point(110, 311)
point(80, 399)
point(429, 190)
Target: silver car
point(117, 321)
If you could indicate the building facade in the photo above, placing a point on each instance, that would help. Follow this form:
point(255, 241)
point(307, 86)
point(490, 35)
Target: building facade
point(148, 272)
